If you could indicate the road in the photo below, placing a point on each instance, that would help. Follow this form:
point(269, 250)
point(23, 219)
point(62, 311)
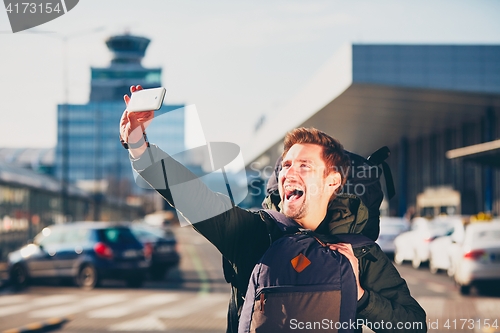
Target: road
point(194, 299)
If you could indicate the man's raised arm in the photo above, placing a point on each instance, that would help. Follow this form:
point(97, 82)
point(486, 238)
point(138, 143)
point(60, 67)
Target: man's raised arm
point(231, 229)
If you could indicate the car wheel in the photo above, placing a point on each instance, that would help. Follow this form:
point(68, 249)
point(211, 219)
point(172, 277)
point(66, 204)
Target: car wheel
point(19, 277)
point(416, 262)
point(135, 281)
point(465, 290)
point(398, 258)
point(87, 277)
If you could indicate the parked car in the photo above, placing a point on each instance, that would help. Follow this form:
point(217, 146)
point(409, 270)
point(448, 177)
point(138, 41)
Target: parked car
point(85, 251)
point(476, 260)
point(413, 245)
point(162, 245)
point(441, 249)
point(390, 228)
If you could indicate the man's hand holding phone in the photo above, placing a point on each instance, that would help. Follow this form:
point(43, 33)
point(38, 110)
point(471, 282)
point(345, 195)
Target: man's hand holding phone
point(133, 125)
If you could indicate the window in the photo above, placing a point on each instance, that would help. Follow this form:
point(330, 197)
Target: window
point(116, 235)
point(76, 236)
point(49, 236)
point(487, 235)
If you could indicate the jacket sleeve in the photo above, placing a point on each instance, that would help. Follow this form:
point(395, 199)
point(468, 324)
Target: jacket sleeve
point(240, 235)
point(390, 307)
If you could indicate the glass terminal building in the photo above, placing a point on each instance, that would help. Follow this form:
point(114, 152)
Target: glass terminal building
point(437, 107)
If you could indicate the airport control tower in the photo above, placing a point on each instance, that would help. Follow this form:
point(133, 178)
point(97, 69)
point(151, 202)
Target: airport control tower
point(110, 83)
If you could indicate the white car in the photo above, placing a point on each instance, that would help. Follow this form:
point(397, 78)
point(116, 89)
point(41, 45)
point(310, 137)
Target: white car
point(441, 248)
point(477, 259)
point(390, 228)
point(414, 244)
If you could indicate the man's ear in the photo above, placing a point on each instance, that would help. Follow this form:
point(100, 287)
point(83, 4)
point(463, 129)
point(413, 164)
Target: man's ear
point(334, 180)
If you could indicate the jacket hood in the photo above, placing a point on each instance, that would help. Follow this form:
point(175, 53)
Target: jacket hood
point(347, 212)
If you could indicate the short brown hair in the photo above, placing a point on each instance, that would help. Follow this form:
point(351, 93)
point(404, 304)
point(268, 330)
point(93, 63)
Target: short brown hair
point(334, 155)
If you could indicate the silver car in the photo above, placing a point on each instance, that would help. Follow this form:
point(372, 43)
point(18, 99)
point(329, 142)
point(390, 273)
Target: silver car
point(477, 259)
point(441, 249)
point(414, 244)
point(390, 228)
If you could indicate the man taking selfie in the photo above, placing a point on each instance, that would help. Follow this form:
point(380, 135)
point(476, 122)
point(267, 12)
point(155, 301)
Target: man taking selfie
point(308, 184)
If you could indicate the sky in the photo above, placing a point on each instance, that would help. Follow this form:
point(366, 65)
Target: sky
point(234, 60)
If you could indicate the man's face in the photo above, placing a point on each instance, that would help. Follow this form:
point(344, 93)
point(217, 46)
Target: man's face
point(303, 187)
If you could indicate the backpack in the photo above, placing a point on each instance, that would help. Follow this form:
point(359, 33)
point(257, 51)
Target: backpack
point(363, 181)
point(300, 284)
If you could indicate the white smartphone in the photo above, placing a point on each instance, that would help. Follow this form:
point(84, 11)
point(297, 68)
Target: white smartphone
point(146, 100)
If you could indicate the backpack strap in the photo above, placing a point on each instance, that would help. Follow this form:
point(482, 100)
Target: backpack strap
point(378, 158)
point(289, 226)
point(356, 240)
point(284, 223)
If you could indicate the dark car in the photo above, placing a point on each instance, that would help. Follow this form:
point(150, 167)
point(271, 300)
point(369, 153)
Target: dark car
point(162, 244)
point(84, 251)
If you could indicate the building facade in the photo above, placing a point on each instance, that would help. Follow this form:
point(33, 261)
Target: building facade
point(437, 107)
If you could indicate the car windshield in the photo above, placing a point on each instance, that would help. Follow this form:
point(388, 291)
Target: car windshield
point(145, 230)
point(392, 229)
point(117, 235)
point(48, 236)
point(441, 228)
point(487, 235)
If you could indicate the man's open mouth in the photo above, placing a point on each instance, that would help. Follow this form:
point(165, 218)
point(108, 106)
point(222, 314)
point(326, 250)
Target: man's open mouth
point(293, 193)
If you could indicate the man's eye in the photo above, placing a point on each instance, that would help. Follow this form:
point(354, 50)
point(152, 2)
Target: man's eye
point(305, 166)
